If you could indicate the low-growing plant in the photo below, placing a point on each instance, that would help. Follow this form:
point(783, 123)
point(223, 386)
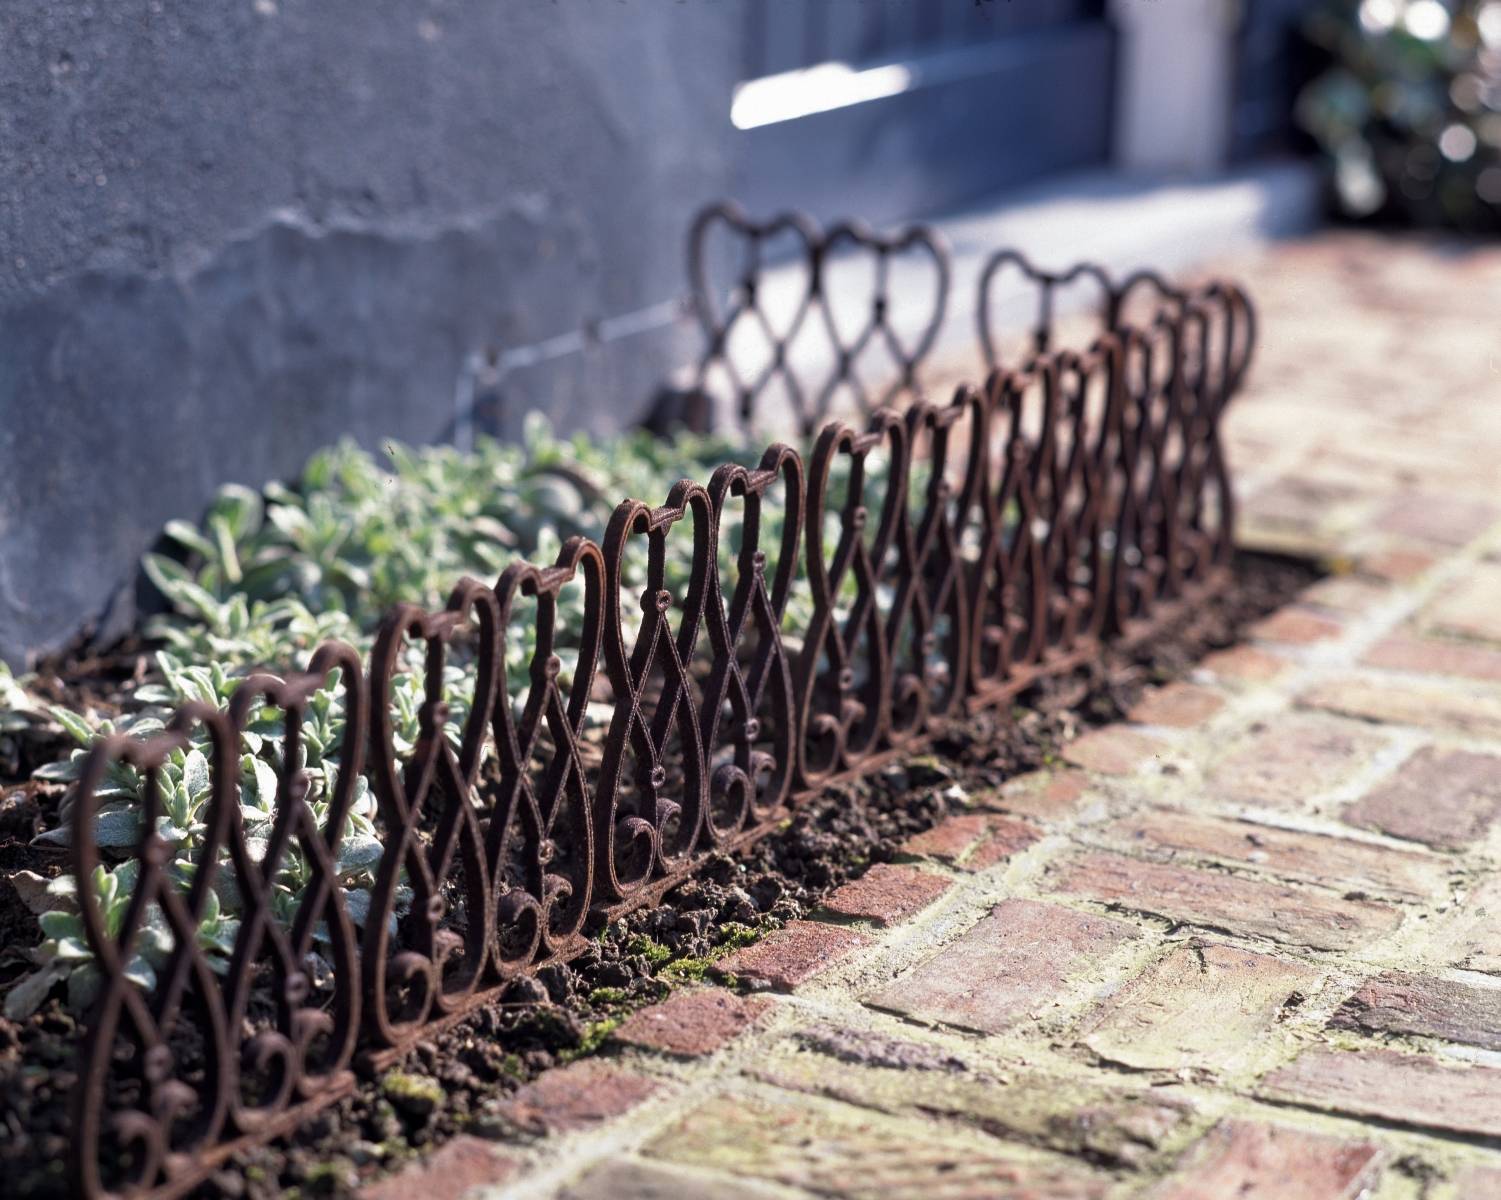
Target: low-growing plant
point(17, 708)
point(265, 577)
point(66, 957)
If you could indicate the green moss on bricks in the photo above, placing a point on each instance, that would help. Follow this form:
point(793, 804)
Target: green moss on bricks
point(607, 995)
point(594, 1037)
point(689, 970)
point(328, 1178)
point(734, 936)
point(416, 1095)
point(653, 951)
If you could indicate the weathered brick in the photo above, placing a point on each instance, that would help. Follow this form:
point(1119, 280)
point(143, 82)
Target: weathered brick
point(1291, 854)
point(1407, 1089)
point(1043, 795)
point(1427, 706)
point(1245, 1160)
point(1203, 1006)
point(1248, 664)
point(1296, 626)
point(693, 1022)
point(886, 894)
point(1395, 564)
point(1295, 916)
point(1296, 513)
point(1435, 656)
point(578, 1096)
point(1444, 798)
point(1180, 705)
point(457, 1167)
point(632, 1179)
point(850, 1041)
point(1103, 1121)
point(1292, 758)
point(856, 1157)
point(951, 839)
point(1345, 594)
point(1023, 958)
point(794, 954)
point(1114, 750)
point(1401, 1002)
point(1437, 518)
point(974, 841)
point(1470, 935)
point(1005, 838)
point(1478, 1183)
point(1470, 608)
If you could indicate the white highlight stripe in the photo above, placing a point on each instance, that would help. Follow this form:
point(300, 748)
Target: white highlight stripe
point(793, 94)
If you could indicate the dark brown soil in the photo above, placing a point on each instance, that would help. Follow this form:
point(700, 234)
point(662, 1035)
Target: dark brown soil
point(568, 1010)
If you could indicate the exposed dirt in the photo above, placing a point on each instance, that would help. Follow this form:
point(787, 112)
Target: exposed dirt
point(568, 1010)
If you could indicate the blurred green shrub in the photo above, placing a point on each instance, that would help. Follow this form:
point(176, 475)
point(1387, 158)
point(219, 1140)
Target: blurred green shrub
point(1409, 109)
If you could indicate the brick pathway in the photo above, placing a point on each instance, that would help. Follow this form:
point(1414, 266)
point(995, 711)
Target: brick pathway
point(1248, 945)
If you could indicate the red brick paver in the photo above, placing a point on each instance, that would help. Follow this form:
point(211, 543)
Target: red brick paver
point(1286, 853)
point(574, 1097)
point(1181, 705)
point(1022, 959)
point(1425, 705)
point(886, 894)
point(1408, 1089)
point(1291, 758)
point(1468, 608)
point(1215, 900)
point(691, 1023)
point(1242, 1160)
point(1112, 751)
point(1396, 565)
point(1249, 664)
point(455, 1170)
point(1203, 1006)
point(1435, 656)
point(1447, 799)
point(793, 955)
point(1046, 796)
point(1296, 626)
point(1451, 1009)
point(1438, 518)
point(974, 841)
point(847, 1153)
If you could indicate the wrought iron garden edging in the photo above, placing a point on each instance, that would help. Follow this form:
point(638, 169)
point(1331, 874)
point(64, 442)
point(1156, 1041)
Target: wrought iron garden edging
point(950, 555)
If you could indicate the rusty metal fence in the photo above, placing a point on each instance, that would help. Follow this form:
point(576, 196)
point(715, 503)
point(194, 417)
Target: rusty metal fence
point(750, 638)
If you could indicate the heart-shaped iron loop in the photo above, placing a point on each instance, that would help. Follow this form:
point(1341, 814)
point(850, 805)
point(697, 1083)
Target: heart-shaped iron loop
point(813, 326)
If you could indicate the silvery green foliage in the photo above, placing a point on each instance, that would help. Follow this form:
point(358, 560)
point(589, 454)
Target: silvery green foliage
point(264, 578)
point(184, 783)
point(65, 956)
point(357, 535)
point(17, 708)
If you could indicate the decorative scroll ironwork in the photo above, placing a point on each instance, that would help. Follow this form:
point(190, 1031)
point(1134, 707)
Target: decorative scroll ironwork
point(946, 557)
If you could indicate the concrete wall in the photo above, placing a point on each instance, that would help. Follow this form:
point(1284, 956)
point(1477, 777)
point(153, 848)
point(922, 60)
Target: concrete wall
point(233, 231)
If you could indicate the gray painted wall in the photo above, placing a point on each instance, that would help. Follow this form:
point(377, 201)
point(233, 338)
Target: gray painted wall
point(234, 230)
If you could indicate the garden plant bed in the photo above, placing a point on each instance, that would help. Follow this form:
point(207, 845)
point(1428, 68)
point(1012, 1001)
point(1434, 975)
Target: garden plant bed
point(445, 1085)
point(357, 801)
